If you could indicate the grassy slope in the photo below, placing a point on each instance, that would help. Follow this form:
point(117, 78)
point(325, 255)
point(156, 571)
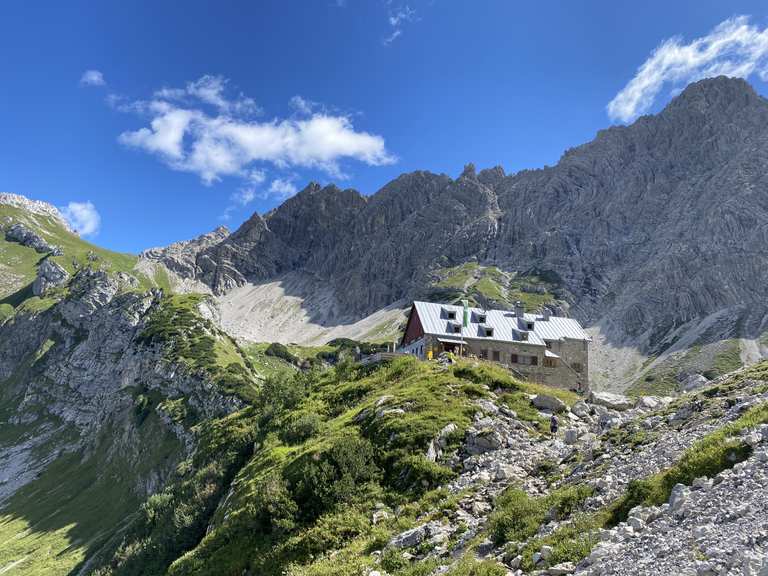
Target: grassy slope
point(18, 264)
point(487, 285)
point(712, 360)
point(326, 451)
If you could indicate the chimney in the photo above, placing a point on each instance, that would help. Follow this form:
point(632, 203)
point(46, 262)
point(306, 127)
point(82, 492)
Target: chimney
point(520, 315)
point(547, 313)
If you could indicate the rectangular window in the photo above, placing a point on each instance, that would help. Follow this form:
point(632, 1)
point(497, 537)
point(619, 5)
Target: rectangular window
point(451, 314)
point(496, 356)
point(534, 361)
point(484, 354)
point(456, 328)
point(481, 318)
point(530, 325)
point(513, 359)
point(489, 331)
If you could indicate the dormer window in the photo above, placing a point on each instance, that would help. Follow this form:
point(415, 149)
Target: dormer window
point(529, 325)
point(481, 318)
point(450, 314)
point(454, 327)
point(488, 331)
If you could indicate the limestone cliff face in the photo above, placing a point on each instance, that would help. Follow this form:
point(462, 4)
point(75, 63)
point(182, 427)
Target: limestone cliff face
point(656, 224)
point(76, 379)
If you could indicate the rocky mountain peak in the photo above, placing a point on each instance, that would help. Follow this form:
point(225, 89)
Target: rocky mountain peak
point(469, 171)
point(34, 207)
point(720, 97)
point(717, 91)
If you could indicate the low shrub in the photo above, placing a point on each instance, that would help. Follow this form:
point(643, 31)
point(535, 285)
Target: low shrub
point(281, 351)
point(416, 474)
point(518, 516)
point(319, 481)
point(301, 427)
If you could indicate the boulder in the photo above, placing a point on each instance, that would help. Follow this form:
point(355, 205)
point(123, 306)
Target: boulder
point(440, 443)
point(679, 496)
point(692, 382)
point(410, 538)
point(571, 436)
point(49, 275)
point(610, 400)
point(486, 406)
point(580, 409)
point(485, 440)
point(561, 569)
point(649, 402)
point(547, 402)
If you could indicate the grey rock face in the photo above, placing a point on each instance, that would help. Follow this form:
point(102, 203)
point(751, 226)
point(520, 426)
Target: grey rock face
point(28, 237)
point(90, 366)
point(180, 257)
point(547, 402)
point(49, 275)
point(609, 400)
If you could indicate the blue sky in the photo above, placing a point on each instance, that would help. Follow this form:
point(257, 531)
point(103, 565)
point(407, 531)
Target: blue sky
point(171, 118)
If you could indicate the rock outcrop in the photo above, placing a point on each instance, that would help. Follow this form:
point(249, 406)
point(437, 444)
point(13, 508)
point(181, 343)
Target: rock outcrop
point(49, 275)
point(27, 237)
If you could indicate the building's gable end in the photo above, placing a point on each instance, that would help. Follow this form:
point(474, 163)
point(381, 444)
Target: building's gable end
point(413, 328)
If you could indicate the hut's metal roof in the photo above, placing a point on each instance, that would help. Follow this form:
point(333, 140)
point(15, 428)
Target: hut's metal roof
point(506, 326)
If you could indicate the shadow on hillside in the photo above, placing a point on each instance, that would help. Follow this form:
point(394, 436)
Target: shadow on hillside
point(79, 503)
point(19, 296)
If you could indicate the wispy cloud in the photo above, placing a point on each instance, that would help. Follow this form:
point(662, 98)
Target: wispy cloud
point(211, 90)
point(92, 78)
point(734, 48)
point(82, 217)
point(398, 17)
point(282, 188)
point(200, 129)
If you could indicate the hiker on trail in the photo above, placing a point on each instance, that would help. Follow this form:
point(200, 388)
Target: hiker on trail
point(553, 424)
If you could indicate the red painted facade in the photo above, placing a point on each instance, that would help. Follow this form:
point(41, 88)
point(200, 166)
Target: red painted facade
point(413, 330)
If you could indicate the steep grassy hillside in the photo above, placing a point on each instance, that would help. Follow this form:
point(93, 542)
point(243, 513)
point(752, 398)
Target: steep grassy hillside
point(490, 287)
point(18, 264)
point(329, 449)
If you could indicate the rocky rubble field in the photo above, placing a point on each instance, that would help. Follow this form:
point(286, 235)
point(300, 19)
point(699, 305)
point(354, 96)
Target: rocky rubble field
point(573, 494)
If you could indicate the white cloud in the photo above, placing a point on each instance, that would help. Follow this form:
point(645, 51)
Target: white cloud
point(282, 188)
point(188, 138)
point(734, 48)
point(82, 217)
point(211, 90)
point(302, 105)
point(397, 18)
point(92, 78)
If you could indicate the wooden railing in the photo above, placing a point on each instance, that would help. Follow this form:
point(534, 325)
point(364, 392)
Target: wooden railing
point(378, 357)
